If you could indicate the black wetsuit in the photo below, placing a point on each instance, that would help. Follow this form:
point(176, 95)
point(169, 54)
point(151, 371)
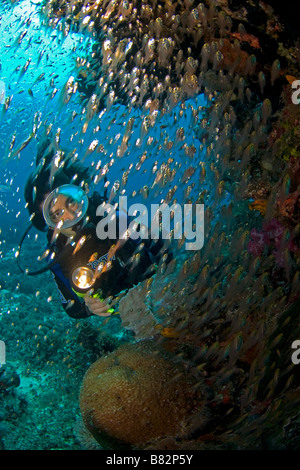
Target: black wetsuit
point(121, 276)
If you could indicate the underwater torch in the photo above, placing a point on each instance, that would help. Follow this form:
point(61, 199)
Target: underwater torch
point(84, 278)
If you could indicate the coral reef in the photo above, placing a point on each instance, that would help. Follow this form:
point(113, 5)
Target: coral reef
point(136, 395)
point(9, 378)
point(272, 234)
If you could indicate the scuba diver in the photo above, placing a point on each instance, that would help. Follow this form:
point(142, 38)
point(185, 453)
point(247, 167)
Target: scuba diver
point(89, 272)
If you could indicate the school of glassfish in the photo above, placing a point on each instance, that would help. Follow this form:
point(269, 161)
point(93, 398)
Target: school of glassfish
point(208, 120)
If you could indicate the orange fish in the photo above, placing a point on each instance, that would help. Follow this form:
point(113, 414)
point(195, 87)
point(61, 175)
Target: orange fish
point(259, 205)
point(252, 40)
point(187, 174)
point(290, 79)
point(167, 332)
point(94, 257)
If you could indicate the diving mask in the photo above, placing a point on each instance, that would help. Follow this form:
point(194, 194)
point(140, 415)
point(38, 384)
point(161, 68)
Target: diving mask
point(65, 206)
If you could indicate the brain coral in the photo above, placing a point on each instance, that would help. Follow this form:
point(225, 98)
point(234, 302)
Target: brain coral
point(135, 395)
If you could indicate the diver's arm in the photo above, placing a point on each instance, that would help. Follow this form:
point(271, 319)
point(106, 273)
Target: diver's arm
point(77, 310)
point(71, 303)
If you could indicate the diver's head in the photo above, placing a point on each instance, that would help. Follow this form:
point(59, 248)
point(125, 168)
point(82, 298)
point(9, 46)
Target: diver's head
point(36, 191)
point(65, 207)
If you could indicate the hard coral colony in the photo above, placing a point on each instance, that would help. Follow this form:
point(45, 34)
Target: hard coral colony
point(188, 102)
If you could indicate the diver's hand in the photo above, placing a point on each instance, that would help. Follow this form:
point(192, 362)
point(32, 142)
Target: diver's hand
point(97, 306)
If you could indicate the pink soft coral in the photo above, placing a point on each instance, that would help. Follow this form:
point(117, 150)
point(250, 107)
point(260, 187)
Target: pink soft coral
point(272, 234)
point(257, 244)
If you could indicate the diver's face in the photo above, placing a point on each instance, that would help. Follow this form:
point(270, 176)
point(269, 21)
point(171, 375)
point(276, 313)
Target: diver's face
point(63, 208)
